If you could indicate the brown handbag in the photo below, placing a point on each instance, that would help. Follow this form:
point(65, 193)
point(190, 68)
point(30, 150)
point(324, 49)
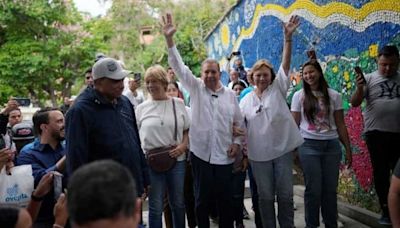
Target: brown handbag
point(158, 158)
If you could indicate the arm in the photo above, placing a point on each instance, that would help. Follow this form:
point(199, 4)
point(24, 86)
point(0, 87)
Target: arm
point(77, 133)
point(11, 104)
point(394, 201)
point(184, 74)
point(289, 28)
point(42, 189)
point(358, 95)
point(296, 117)
point(343, 135)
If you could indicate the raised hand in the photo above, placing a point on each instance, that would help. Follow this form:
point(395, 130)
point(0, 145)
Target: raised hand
point(291, 25)
point(167, 26)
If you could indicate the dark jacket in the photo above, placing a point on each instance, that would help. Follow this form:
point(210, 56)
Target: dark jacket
point(97, 129)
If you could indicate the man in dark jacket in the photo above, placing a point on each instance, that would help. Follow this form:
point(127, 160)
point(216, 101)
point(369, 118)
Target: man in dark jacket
point(102, 124)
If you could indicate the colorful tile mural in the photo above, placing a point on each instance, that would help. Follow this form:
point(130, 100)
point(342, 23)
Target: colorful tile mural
point(344, 34)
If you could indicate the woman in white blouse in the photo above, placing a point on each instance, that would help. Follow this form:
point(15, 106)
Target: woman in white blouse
point(272, 135)
point(156, 124)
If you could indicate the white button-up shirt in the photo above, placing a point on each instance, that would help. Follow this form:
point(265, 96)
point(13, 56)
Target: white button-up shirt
point(213, 115)
point(271, 129)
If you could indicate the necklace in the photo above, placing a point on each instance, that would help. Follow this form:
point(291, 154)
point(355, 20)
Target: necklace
point(161, 117)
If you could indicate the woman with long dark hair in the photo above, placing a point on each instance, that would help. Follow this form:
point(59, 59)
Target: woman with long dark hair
point(318, 111)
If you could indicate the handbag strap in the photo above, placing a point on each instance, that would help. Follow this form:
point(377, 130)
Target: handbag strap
point(176, 124)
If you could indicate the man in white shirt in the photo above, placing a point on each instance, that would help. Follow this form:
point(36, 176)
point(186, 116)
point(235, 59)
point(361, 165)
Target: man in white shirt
point(214, 112)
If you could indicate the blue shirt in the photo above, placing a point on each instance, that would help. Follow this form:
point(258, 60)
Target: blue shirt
point(43, 160)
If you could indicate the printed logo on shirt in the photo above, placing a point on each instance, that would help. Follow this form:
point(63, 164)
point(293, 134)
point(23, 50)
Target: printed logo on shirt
point(321, 121)
point(390, 90)
point(13, 194)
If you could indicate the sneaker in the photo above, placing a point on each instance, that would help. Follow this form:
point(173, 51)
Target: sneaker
point(385, 220)
point(245, 214)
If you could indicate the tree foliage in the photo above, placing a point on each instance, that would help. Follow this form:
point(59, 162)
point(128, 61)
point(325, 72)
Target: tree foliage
point(43, 49)
point(195, 18)
point(45, 46)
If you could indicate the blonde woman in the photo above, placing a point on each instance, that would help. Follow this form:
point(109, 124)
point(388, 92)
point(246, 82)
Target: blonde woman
point(156, 122)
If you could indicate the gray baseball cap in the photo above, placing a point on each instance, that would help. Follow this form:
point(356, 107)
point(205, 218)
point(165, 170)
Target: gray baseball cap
point(109, 68)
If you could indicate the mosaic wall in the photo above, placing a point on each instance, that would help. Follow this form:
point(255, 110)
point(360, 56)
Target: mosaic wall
point(344, 34)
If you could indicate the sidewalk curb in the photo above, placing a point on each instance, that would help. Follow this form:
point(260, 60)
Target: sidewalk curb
point(362, 215)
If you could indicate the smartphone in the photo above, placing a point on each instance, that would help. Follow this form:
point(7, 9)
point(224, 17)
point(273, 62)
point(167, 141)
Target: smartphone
point(57, 184)
point(358, 70)
point(236, 53)
point(22, 101)
point(137, 76)
point(311, 54)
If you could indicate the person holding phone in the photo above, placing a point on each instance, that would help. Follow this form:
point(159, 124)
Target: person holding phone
point(318, 111)
point(46, 154)
point(381, 90)
point(134, 95)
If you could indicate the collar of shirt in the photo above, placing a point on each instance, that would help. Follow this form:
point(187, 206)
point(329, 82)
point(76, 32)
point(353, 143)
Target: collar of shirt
point(46, 147)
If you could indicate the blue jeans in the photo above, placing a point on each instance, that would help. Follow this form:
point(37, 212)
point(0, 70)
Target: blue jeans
point(320, 160)
point(173, 181)
point(275, 177)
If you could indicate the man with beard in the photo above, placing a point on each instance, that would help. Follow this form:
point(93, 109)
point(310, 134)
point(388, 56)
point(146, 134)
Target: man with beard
point(46, 154)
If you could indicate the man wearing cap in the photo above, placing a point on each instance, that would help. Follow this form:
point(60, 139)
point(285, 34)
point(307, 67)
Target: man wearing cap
point(102, 124)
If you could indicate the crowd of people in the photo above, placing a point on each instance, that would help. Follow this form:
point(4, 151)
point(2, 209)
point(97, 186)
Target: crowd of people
point(189, 146)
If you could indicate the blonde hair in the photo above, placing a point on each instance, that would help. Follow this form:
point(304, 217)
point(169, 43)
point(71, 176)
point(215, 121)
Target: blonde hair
point(262, 63)
point(157, 72)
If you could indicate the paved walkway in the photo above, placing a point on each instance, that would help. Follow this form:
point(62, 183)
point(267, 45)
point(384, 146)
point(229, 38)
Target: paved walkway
point(344, 221)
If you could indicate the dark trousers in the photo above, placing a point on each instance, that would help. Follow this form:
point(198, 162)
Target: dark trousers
point(384, 149)
point(254, 198)
point(238, 196)
point(209, 179)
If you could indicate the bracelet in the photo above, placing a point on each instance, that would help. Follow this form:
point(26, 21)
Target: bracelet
point(288, 40)
point(55, 225)
point(36, 198)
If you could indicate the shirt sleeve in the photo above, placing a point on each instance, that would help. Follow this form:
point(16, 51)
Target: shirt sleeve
point(296, 104)
point(282, 80)
point(77, 133)
point(186, 118)
point(38, 171)
point(185, 75)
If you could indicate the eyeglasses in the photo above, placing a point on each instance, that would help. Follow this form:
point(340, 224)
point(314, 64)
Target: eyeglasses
point(259, 109)
point(88, 77)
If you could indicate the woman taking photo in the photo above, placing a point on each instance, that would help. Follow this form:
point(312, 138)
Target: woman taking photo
point(163, 121)
point(272, 135)
point(318, 111)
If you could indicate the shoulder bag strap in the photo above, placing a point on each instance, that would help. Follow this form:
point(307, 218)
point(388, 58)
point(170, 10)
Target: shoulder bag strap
point(176, 124)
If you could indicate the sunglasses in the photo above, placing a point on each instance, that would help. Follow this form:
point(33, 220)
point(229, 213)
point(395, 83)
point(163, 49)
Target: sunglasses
point(88, 77)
